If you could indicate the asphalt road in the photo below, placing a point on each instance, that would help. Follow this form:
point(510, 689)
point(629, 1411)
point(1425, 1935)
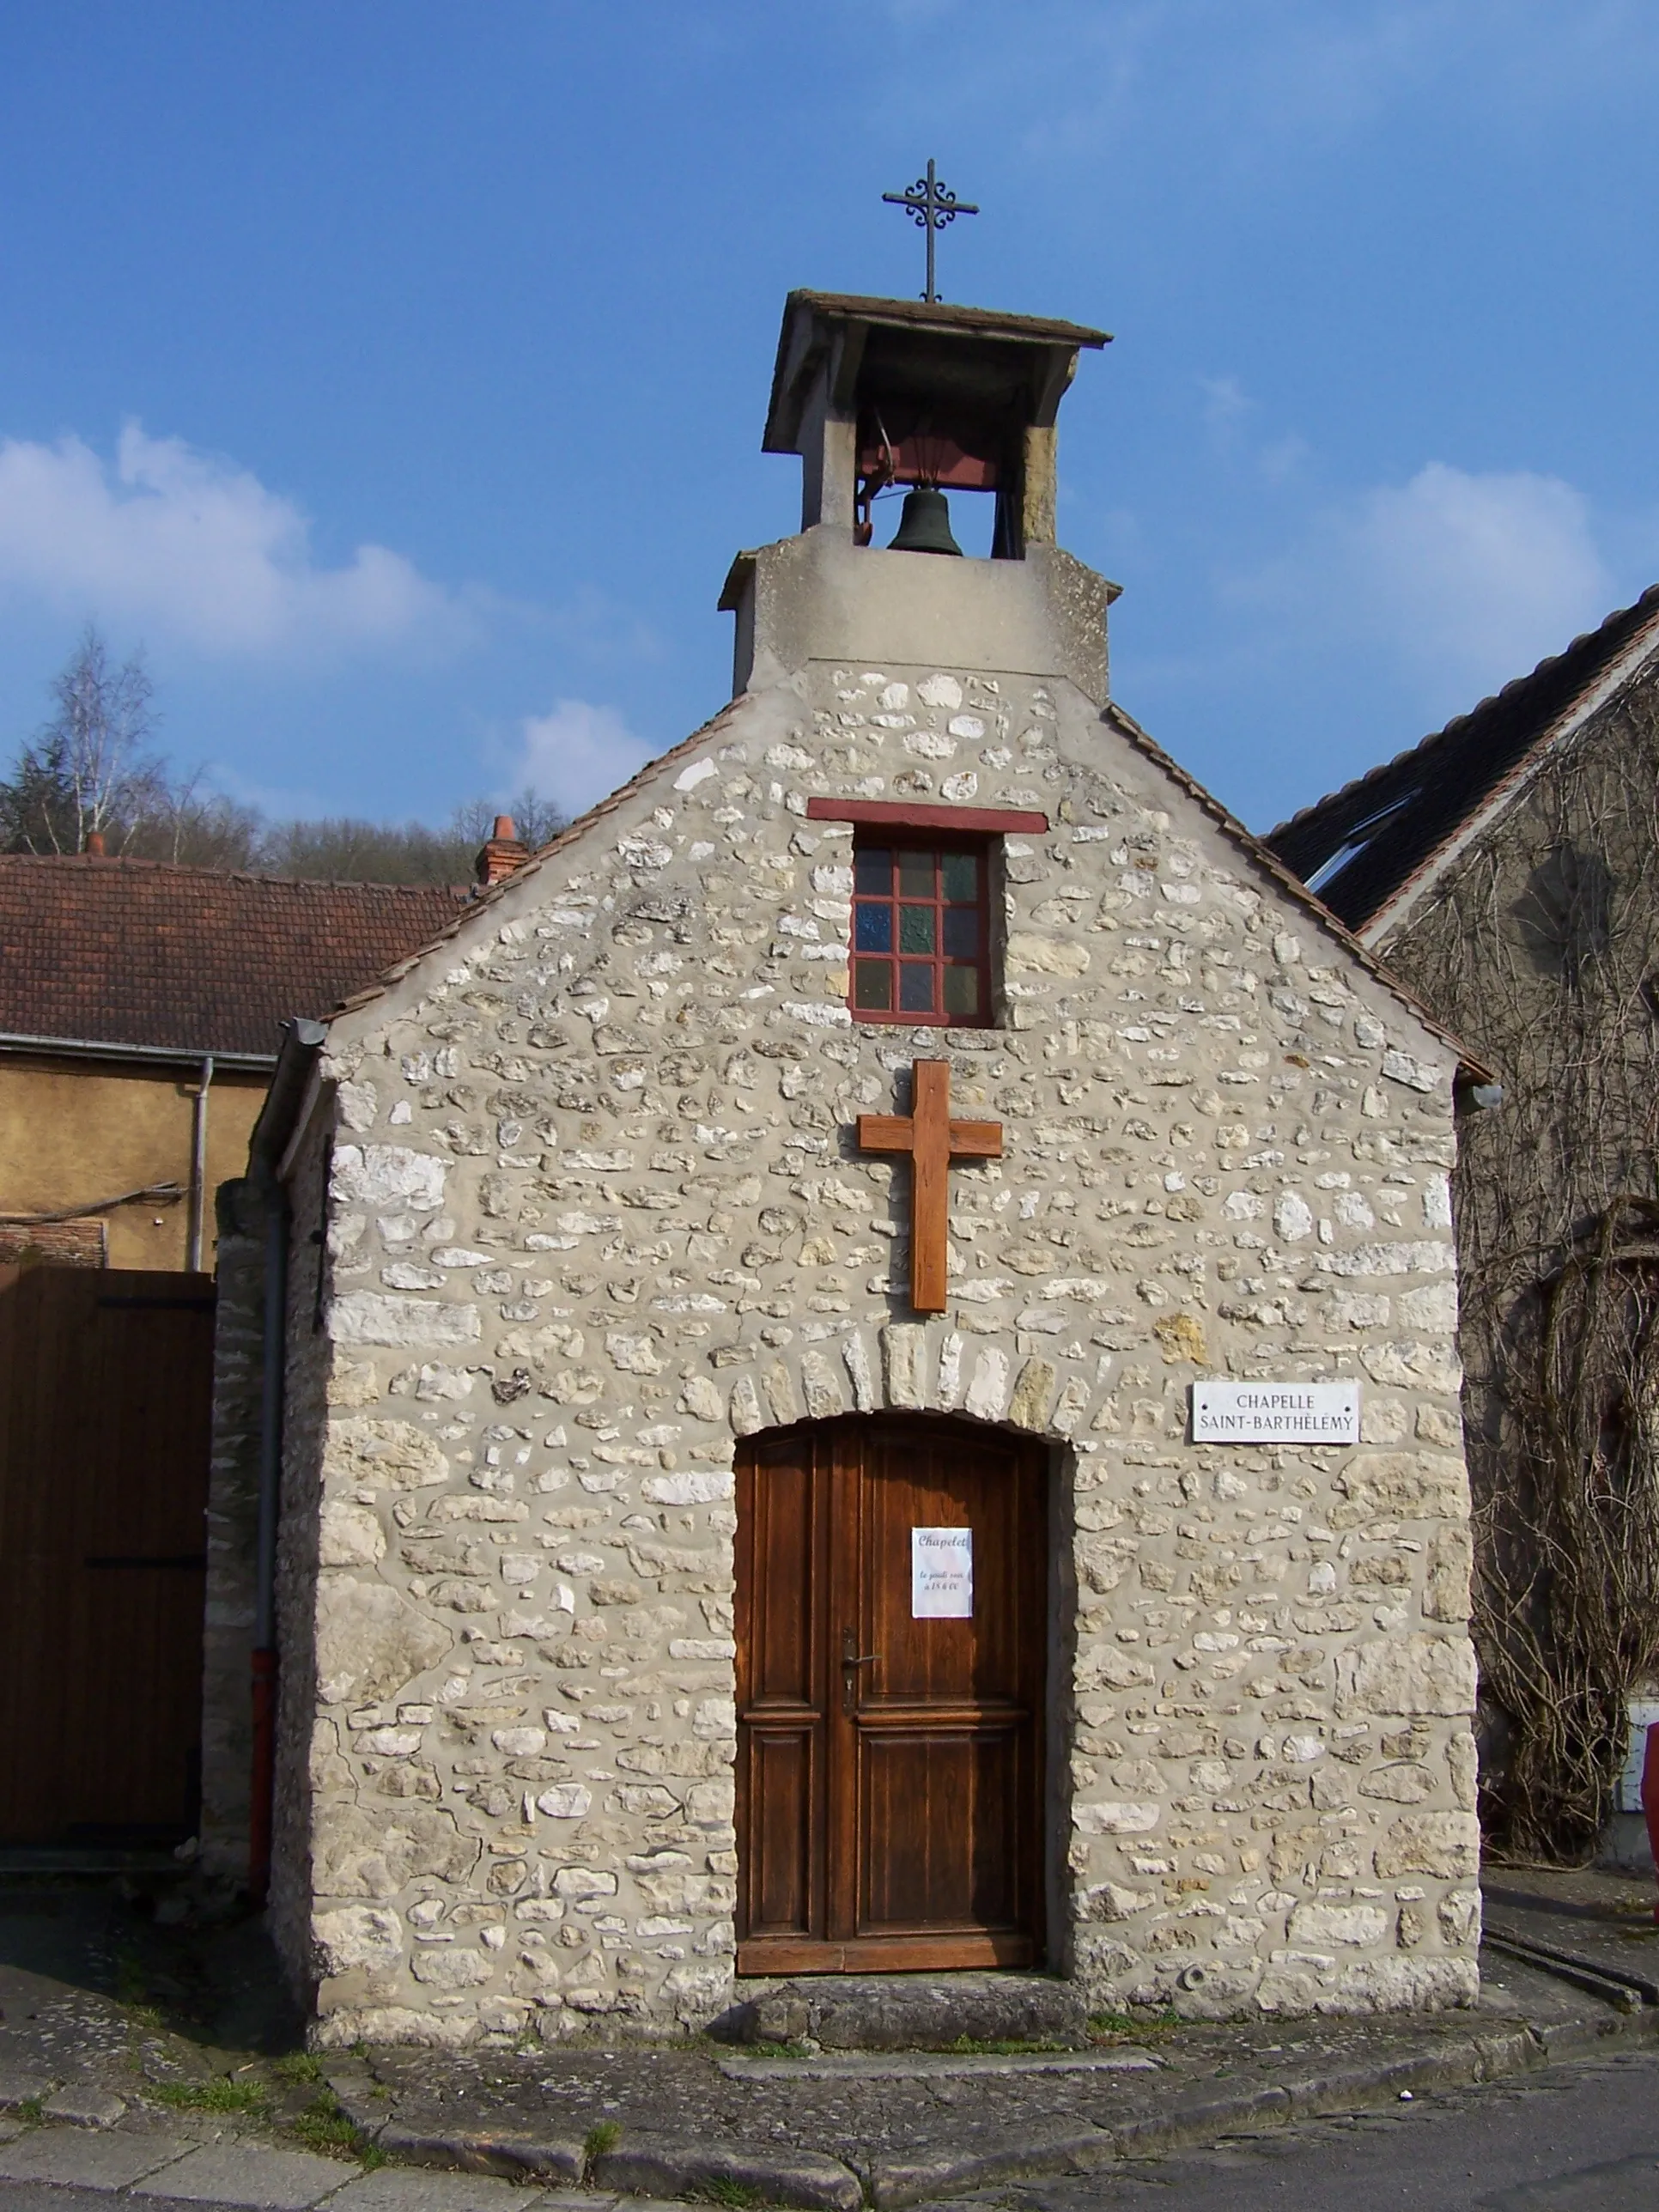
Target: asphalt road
point(1580, 2138)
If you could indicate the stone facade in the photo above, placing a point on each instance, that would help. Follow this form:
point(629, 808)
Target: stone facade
point(595, 1213)
point(576, 1206)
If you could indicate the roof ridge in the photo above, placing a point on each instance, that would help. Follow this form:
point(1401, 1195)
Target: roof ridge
point(1260, 851)
point(92, 862)
point(1459, 723)
point(561, 838)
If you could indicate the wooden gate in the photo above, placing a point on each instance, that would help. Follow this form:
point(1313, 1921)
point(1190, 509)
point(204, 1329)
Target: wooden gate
point(106, 1383)
point(892, 1628)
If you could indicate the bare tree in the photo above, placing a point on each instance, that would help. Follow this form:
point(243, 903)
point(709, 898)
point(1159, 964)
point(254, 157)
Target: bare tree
point(91, 768)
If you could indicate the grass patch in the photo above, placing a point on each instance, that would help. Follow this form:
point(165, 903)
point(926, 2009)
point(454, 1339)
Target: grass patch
point(323, 2127)
point(603, 2136)
point(131, 1985)
point(221, 2094)
point(31, 2109)
point(1107, 2027)
point(299, 2068)
point(741, 2195)
point(1003, 2046)
point(765, 2047)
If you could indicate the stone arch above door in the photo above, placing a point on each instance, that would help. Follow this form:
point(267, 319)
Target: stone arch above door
point(906, 1367)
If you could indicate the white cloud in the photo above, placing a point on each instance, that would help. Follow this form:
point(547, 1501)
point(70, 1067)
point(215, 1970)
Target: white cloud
point(1478, 576)
point(196, 549)
point(1463, 579)
point(577, 754)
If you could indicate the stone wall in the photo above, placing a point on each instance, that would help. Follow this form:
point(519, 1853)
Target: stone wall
point(596, 1213)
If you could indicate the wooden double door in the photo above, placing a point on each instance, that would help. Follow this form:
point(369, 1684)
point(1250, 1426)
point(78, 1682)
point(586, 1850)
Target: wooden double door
point(106, 1390)
point(892, 1627)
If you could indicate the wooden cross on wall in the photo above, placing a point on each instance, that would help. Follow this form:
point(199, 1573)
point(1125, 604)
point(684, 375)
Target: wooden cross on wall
point(933, 1140)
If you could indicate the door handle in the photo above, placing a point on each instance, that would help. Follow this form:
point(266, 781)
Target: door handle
point(851, 1660)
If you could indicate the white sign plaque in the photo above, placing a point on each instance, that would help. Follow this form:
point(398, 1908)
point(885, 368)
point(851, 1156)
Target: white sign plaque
point(941, 1574)
point(1643, 1714)
point(1275, 1412)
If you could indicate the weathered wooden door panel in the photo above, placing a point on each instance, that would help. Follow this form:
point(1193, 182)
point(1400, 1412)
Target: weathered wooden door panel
point(890, 1781)
point(783, 1514)
point(941, 1836)
point(105, 1388)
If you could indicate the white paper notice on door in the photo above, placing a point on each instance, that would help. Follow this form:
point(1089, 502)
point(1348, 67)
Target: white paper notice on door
point(941, 1574)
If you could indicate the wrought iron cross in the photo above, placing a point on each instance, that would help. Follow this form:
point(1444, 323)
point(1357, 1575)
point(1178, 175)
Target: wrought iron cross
point(934, 205)
point(933, 1140)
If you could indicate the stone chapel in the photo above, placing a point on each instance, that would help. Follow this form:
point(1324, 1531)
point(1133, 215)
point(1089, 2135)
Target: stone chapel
point(855, 1372)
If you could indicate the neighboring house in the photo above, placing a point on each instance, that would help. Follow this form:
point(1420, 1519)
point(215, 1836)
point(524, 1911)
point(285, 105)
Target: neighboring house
point(140, 1011)
point(824, 1337)
point(1507, 870)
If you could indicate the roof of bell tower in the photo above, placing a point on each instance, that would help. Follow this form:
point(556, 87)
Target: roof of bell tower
point(1017, 364)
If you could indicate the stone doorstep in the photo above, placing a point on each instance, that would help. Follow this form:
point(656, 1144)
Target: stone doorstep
point(899, 2012)
point(933, 2065)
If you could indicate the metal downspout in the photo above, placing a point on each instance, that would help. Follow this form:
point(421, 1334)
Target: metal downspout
point(196, 1237)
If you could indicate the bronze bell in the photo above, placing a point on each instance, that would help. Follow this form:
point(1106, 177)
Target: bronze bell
point(925, 525)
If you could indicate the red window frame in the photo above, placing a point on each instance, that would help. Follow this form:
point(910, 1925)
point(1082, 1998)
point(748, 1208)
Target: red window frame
point(877, 947)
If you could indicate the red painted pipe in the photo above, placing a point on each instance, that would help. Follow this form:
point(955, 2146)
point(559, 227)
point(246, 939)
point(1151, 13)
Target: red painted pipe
point(1650, 1796)
point(262, 1794)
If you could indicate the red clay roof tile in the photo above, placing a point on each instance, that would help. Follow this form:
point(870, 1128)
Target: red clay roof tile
point(143, 952)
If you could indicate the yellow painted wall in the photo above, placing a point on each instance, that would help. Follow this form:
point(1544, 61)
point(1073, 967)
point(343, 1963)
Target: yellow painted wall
point(74, 1132)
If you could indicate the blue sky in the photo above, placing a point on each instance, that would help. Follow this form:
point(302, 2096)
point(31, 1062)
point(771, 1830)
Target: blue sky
point(395, 374)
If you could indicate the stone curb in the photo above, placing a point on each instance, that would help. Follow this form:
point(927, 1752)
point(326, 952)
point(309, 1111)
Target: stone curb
point(894, 2183)
point(665, 2167)
point(512, 2158)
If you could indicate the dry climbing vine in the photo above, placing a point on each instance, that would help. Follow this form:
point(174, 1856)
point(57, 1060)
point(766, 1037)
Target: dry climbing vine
point(1541, 951)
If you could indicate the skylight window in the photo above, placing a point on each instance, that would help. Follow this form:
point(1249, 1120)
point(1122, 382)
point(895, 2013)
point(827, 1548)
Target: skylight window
point(1360, 835)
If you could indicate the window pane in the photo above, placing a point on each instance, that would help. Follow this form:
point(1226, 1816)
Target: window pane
point(916, 987)
point(961, 874)
point(916, 928)
point(875, 929)
point(962, 990)
point(872, 984)
point(874, 868)
point(961, 932)
point(915, 875)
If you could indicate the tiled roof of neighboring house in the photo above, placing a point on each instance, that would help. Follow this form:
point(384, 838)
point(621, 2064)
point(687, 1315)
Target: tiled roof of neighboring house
point(1363, 846)
point(142, 952)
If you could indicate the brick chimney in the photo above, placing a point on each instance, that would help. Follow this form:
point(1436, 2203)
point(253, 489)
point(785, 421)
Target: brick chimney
point(95, 844)
point(501, 853)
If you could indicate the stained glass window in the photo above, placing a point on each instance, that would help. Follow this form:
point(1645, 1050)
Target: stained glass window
point(921, 936)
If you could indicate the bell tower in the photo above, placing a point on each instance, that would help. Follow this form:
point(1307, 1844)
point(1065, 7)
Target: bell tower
point(944, 403)
point(873, 393)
